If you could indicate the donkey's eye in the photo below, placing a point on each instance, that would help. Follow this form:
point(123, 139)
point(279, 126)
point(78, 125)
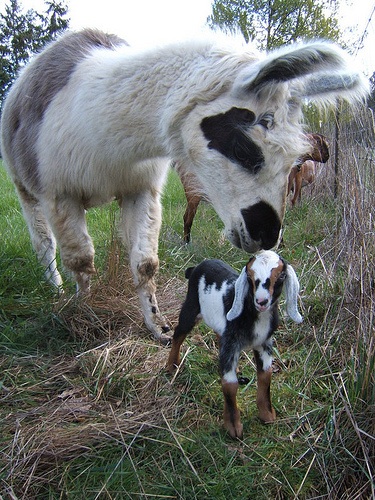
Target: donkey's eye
point(267, 121)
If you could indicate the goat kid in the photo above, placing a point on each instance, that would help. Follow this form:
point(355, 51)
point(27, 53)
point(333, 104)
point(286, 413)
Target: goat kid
point(243, 311)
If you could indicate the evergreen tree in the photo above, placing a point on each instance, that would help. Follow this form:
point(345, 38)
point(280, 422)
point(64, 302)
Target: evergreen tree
point(22, 33)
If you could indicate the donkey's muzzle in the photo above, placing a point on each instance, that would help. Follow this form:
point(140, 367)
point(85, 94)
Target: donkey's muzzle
point(263, 225)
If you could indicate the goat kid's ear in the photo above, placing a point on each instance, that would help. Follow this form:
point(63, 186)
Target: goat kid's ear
point(241, 288)
point(291, 293)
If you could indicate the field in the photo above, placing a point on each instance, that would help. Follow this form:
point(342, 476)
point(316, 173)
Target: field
point(88, 411)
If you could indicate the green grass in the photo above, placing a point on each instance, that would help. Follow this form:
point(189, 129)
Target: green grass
point(87, 410)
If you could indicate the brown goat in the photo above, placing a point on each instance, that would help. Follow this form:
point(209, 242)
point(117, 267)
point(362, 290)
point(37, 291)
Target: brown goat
point(301, 175)
point(304, 172)
point(319, 153)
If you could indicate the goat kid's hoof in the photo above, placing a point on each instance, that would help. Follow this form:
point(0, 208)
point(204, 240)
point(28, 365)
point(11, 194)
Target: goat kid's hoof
point(235, 431)
point(171, 368)
point(268, 417)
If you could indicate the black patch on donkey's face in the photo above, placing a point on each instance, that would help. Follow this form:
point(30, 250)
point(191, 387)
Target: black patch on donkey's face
point(226, 133)
point(262, 223)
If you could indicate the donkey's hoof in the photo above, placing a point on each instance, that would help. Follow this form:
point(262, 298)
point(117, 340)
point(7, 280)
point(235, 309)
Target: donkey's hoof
point(165, 340)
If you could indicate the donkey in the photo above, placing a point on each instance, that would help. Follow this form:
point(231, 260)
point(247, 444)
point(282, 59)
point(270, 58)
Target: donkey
point(91, 119)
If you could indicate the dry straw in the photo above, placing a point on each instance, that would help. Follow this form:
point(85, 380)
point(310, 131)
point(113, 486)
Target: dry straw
point(108, 393)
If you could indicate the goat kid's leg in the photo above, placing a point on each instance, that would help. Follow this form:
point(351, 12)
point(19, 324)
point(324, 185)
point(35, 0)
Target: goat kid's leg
point(232, 420)
point(228, 360)
point(292, 175)
point(186, 322)
point(41, 235)
point(174, 355)
point(263, 360)
point(140, 227)
point(68, 221)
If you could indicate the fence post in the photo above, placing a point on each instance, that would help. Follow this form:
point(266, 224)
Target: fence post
point(336, 150)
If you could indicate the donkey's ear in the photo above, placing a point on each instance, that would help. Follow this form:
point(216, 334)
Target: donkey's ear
point(327, 87)
point(325, 61)
point(241, 288)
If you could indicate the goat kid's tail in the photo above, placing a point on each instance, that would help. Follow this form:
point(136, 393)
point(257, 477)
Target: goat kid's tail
point(189, 272)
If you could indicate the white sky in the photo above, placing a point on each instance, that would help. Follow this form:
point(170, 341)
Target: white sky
point(149, 22)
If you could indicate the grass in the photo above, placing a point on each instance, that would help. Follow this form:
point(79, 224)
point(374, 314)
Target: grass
point(87, 410)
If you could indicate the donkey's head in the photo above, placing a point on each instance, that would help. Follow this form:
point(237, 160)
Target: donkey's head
point(244, 141)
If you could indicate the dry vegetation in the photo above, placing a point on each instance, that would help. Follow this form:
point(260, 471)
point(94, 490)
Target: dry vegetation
point(87, 409)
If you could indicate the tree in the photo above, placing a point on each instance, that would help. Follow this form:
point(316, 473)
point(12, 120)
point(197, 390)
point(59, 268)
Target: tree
point(21, 34)
point(272, 23)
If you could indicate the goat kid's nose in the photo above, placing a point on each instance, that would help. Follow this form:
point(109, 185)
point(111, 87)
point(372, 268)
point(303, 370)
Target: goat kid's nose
point(262, 302)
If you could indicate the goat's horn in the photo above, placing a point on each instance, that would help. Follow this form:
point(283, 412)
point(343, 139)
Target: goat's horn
point(291, 292)
point(241, 287)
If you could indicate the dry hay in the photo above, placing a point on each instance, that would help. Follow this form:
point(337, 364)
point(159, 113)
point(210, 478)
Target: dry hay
point(112, 307)
point(89, 413)
point(109, 393)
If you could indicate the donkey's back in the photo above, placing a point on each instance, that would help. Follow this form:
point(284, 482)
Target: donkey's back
point(33, 92)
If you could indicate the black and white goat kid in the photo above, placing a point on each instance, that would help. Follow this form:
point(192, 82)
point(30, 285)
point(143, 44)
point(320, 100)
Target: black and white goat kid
point(243, 311)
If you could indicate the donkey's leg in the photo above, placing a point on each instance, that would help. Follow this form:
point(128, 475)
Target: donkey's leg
point(67, 218)
point(41, 235)
point(263, 360)
point(140, 227)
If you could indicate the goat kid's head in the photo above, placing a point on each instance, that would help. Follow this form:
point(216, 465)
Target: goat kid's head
point(262, 279)
point(243, 142)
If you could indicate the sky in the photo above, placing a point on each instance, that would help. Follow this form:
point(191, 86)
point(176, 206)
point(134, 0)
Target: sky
point(149, 22)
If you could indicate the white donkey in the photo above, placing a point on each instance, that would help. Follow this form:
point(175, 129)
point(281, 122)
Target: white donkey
point(91, 119)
